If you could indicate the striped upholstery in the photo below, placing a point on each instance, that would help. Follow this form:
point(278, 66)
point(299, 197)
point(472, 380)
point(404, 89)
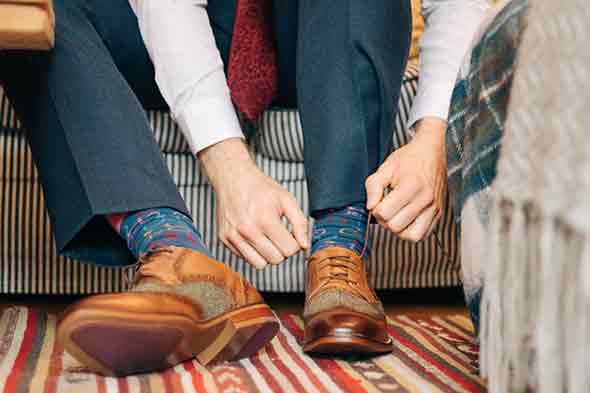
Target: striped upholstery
point(29, 263)
point(280, 135)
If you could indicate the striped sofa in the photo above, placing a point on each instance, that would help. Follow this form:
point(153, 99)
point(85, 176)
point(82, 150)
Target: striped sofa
point(29, 263)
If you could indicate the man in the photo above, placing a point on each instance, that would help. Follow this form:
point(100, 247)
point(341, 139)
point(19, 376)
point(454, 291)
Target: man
point(340, 63)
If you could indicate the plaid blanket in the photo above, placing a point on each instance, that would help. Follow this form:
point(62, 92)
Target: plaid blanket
point(476, 125)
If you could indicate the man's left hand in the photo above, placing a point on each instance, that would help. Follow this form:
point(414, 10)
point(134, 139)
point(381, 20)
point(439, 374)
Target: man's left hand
point(417, 176)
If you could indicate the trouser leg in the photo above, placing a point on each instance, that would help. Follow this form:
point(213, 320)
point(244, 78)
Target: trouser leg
point(88, 132)
point(350, 61)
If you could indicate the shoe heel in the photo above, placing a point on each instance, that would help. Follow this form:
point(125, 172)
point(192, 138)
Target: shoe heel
point(219, 343)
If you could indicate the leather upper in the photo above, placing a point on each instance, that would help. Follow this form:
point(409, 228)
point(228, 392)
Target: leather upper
point(337, 268)
point(176, 266)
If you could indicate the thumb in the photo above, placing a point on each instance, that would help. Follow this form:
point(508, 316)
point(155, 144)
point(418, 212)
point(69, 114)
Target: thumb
point(294, 214)
point(375, 186)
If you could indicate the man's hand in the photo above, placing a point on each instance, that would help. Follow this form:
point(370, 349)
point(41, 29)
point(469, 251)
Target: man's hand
point(417, 176)
point(250, 206)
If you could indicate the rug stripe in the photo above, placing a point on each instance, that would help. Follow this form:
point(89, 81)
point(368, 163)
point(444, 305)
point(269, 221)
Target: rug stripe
point(265, 373)
point(171, 381)
point(184, 379)
point(406, 375)
point(291, 371)
point(343, 378)
point(419, 367)
point(12, 342)
point(32, 356)
point(111, 385)
point(209, 381)
point(273, 372)
point(232, 377)
point(257, 378)
point(134, 385)
point(196, 377)
point(375, 375)
point(55, 367)
point(430, 343)
point(8, 323)
point(156, 383)
point(122, 385)
point(324, 378)
point(300, 367)
point(25, 347)
point(449, 325)
point(444, 345)
point(101, 384)
point(445, 374)
point(43, 365)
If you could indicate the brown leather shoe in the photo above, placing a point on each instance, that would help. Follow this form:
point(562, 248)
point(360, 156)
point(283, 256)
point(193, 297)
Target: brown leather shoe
point(342, 313)
point(181, 305)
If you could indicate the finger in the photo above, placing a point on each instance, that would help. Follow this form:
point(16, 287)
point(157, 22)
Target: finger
point(290, 209)
point(396, 200)
point(434, 224)
point(248, 252)
point(419, 228)
point(264, 247)
point(407, 215)
point(375, 186)
point(233, 249)
point(282, 239)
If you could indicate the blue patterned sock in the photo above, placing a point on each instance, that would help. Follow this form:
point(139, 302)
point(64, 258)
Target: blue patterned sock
point(150, 229)
point(344, 227)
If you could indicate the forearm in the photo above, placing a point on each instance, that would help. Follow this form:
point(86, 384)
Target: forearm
point(189, 69)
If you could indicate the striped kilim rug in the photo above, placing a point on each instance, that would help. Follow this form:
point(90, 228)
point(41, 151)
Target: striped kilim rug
point(431, 355)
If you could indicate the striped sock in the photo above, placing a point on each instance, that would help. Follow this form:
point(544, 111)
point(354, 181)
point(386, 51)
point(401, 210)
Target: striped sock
point(344, 227)
point(150, 229)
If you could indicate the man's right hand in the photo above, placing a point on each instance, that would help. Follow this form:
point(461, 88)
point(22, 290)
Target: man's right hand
point(250, 206)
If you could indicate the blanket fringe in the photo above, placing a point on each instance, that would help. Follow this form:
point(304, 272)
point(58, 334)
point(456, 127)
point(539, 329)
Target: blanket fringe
point(536, 303)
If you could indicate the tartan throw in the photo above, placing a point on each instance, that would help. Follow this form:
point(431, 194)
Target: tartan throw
point(476, 125)
point(431, 354)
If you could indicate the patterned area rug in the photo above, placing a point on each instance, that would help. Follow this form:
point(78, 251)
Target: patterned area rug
point(431, 355)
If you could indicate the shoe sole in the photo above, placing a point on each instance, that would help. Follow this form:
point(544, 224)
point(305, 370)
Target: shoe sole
point(346, 345)
point(116, 341)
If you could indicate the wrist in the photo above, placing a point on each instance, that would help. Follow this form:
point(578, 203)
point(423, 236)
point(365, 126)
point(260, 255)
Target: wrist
point(431, 128)
point(226, 158)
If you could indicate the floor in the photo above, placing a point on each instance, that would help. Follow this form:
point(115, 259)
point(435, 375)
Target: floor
point(416, 302)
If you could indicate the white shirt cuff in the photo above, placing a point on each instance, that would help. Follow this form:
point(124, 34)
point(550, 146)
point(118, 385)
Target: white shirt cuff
point(432, 100)
point(207, 121)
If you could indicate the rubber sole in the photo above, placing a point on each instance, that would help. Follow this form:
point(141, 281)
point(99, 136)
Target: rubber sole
point(346, 345)
point(123, 339)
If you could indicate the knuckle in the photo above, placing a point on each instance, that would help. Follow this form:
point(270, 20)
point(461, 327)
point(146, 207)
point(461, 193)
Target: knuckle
point(393, 227)
point(291, 250)
point(246, 229)
point(277, 259)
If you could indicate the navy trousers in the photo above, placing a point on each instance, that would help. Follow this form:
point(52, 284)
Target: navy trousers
point(82, 104)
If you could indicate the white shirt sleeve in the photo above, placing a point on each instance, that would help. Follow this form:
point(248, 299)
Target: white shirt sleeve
point(189, 69)
point(448, 31)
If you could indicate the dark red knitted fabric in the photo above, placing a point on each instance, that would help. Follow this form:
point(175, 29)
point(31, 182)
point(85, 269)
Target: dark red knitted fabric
point(252, 69)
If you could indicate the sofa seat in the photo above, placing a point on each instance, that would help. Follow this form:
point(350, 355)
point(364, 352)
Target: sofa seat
point(29, 263)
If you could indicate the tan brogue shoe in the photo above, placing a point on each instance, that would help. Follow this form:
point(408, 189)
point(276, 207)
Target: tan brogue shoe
point(182, 304)
point(342, 313)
